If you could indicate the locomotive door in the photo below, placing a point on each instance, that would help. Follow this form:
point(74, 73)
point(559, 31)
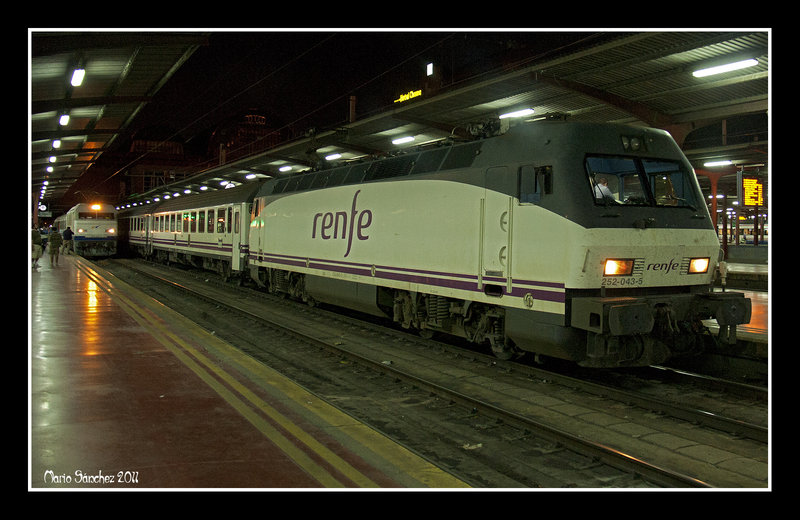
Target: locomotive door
point(496, 226)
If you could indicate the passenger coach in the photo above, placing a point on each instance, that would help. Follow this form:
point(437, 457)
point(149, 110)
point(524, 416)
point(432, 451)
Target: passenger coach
point(207, 230)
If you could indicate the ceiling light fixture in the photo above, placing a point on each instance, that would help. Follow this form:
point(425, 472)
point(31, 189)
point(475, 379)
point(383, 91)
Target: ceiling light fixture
point(403, 140)
point(518, 113)
point(77, 77)
point(717, 163)
point(724, 68)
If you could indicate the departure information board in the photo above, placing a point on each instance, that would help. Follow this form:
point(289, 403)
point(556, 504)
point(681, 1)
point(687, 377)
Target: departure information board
point(751, 192)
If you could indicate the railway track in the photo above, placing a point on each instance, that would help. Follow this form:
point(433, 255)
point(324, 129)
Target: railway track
point(658, 442)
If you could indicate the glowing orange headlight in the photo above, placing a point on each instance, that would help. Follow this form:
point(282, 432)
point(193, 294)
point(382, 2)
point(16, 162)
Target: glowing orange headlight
point(698, 265)
point(618, 267)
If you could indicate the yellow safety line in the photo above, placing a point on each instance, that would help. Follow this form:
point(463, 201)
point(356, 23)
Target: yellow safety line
point(174, 345)
point(413, 465)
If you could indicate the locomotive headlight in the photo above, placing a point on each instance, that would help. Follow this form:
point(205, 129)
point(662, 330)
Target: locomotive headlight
point(618, 267)
point(111, 231)
point(632, 143)
point(80, 230)
point(698, 265)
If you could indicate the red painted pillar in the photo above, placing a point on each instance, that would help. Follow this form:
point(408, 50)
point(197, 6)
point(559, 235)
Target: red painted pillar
point(714, 178)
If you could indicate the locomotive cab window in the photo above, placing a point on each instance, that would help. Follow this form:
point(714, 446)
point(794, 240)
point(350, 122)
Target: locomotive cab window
point(528, 189)
point(534, 182)
point(95, 215)
point(640, 182)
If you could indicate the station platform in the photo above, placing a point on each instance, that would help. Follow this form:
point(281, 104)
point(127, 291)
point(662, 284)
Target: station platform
point(754, 276)
point(752, 280)
point(126, 394)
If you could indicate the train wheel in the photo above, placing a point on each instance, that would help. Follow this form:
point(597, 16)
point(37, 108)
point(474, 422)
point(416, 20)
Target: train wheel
point(505, 349)
point(224, 269)
point(426, 333)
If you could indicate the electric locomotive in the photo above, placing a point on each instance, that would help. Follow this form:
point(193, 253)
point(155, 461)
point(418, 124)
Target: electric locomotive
point(94, 227)
point(586, 242)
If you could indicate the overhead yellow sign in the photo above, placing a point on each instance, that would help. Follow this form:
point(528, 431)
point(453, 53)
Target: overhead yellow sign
point(752, 192)
point(409, 95)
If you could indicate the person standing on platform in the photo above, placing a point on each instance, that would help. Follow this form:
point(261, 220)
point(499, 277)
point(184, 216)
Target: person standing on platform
point(54, 243)
point(36, 247)
point(67, 240)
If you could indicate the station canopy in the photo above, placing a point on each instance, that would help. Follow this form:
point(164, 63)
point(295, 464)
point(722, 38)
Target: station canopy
point(640, 78)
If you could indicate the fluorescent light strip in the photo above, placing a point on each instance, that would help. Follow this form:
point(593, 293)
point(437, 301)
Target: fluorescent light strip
point(717, 163)
point(724, 68)
point(77, 77)
point(518, 113)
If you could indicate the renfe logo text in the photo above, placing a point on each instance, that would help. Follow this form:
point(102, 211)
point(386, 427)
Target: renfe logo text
point(665, 266)
point(340, 225)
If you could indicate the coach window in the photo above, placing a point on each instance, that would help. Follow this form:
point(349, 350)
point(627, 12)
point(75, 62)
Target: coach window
point(186, 222)
point(210, 223)
point(173, 222)
point(193, 222)
point(221, 220)
point(201, 222)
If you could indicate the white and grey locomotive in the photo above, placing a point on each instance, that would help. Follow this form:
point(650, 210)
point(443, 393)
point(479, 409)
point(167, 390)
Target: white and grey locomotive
point(94, 227)
point(586, 242)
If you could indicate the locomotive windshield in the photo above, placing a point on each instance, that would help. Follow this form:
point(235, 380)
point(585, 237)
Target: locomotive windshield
point(640, 182)
point(95, 215)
